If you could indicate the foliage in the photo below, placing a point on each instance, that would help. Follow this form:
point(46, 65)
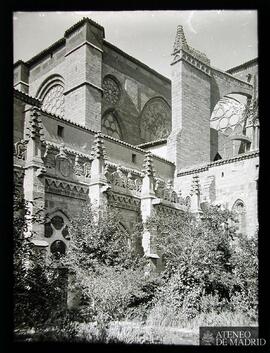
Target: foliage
point(38, 285)
point(204, 271)
point(107, 273)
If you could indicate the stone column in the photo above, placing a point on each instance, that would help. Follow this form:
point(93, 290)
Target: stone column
point(147, 209)
point(195, 199)
point(98, 182)
point(34, 181)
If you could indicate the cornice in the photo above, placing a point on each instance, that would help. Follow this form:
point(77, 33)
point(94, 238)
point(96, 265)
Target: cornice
point(26, 98)
point(206, 167)
point(82, 22)
point(136, 61)
point(232, 77)
point(152, 143)
point(244, 65)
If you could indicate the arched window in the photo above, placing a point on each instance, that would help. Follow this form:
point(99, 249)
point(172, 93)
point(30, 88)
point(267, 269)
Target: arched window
point(57, 233)
point(240, 211)
point(51, 94)
point(54, 100)
point(110, 126)
point(228, 114)
point(155, 119)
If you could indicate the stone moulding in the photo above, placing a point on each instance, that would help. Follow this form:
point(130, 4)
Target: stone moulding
point(168, 210)
point(26, 98)
point(120, 142)
point(241, 157)
point(192, 60)
point(124, 201)
point(65, 188)
point(164, 203)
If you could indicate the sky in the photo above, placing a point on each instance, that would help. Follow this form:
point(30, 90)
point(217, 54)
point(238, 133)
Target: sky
point(228, 38)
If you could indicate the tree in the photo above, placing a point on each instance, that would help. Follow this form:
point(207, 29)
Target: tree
point(107, 270)
point(199, 257)
point(38, 285)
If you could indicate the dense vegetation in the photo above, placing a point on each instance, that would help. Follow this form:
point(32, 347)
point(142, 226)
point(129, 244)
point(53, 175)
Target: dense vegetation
point(209, 278)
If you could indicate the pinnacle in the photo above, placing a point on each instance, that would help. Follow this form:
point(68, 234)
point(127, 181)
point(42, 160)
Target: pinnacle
point(195, 186)
point(98, 149)
point(180, 40)
point(148, 164)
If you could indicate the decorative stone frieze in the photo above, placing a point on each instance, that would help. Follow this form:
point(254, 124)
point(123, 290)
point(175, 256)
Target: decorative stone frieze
point(66, 188)
point(123, 201)
point(119, 178)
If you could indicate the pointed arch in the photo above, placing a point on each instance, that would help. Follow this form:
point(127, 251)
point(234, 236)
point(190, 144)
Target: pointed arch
point(111, 124)
point(239, 209)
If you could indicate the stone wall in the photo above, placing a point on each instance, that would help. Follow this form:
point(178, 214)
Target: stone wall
point(82, 59)
point(225, 182)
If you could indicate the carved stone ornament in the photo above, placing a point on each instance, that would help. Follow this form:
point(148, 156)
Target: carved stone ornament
point(64, 167)
point(64, 164)
point(78, 167)
point(155, 120)
point(20, 149)
point(111, 90)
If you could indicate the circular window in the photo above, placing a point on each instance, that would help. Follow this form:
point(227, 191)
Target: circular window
point(58, 248)
point(111, 90)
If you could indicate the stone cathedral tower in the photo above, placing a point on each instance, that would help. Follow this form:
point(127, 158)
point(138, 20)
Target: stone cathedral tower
point(92, 123)
point(189, 141)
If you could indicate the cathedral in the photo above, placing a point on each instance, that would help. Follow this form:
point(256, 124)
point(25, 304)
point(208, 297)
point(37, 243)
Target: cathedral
point(92, 123)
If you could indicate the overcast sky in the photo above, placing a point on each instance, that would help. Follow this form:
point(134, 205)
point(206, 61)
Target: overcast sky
point(228, 38)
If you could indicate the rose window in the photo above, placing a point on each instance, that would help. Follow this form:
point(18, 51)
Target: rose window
point(110, 126)
point(54, 100)
point(228, 116)
point(111, 90)
point(57, 234)
point(155, 120)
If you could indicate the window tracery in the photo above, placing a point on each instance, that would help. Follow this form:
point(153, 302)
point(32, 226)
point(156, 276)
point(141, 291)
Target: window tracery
point(155, 120)
point(228, 116)
point(111, 90)
point(110, 126)
point(57, 233)
point(54, 100)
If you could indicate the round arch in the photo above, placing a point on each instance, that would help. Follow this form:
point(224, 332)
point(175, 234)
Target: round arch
point(155, 119)
point(51, 93)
